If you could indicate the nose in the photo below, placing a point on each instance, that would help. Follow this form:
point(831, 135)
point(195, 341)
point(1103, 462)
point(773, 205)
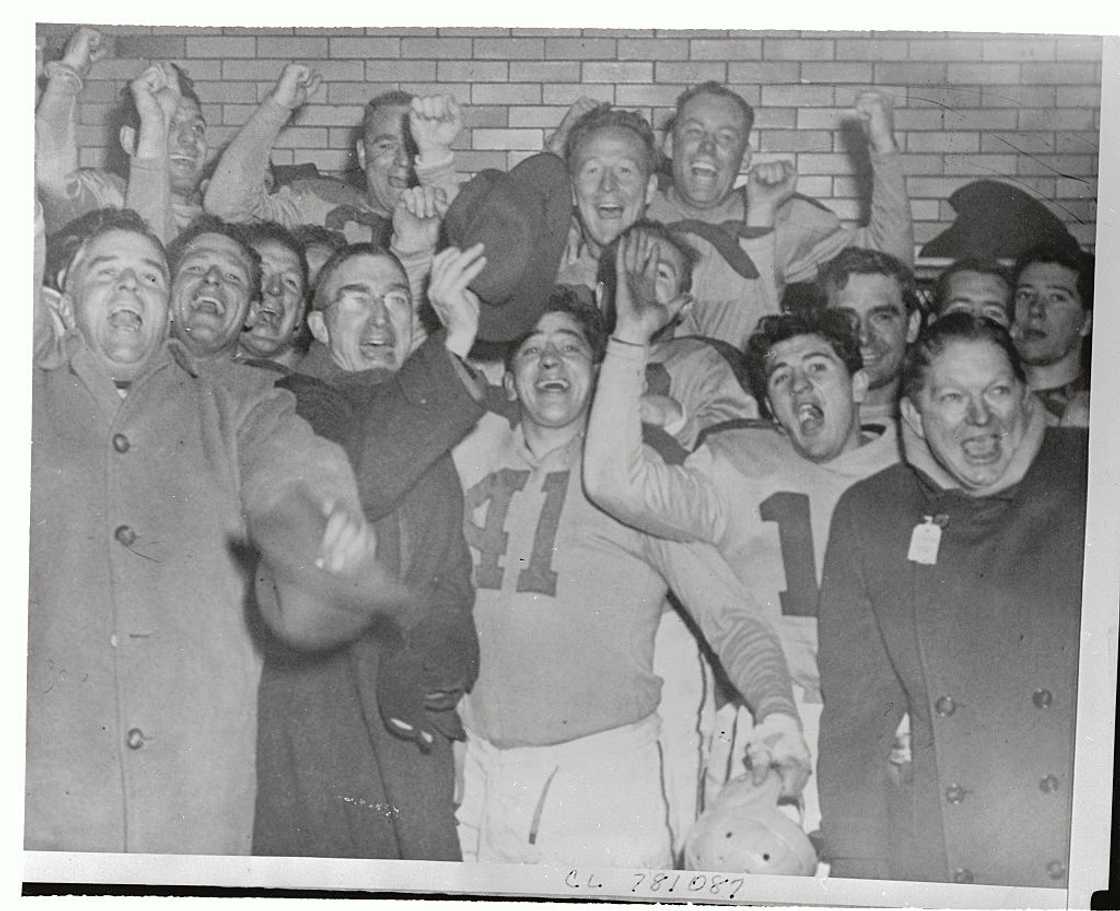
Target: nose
point(608, 182)
point(800, 381)
point(127, 279)
point(401, 157)
point(549, 356)
point(707, 143)
point(213, 276)
point(378, 314)
point(272, 286)
point(865, 334)
point(978, 412)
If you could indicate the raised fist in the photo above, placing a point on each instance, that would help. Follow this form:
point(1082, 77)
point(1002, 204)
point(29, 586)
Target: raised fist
point(296, 84)
point(416, 219)
point(434, 122)
point(769, 185)
point(156, 92)
point(876, 112)
point(84, 48)
point(582, 105)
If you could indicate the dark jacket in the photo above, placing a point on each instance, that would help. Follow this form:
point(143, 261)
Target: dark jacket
point(334, 781)
point(981, 648)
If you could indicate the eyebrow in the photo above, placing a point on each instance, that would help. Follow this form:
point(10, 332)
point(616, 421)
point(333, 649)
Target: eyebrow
point(568, 332)
point(111, 257)
point(367, 288)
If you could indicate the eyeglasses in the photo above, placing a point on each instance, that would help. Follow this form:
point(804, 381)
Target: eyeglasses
point(358, 299)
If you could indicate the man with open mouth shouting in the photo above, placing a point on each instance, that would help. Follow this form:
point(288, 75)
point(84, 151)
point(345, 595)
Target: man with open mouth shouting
point(276, 316)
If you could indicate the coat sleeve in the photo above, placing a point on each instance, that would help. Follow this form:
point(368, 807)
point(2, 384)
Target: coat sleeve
point(731, 621)
point(630, 481)
point(863, 704)
point(411, 421)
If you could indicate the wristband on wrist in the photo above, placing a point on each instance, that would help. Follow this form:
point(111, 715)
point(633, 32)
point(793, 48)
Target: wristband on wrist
point(622, 341)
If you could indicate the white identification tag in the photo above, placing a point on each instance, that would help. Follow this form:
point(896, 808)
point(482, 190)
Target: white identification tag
point(924, 542)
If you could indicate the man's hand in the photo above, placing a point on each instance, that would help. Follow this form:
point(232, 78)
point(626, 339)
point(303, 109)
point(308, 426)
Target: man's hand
point(876, 111)
point(639, 314)
point(296, 84)
point(416, 219)
point(778, 743)
point(434, 122)
point(84, 48)
point(769, 185)
point(557, 141)
point(156, 94)
point(451, 298)
point(347, 542)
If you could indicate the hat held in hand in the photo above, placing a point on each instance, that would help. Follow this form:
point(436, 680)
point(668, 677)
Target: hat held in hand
point(522, 218)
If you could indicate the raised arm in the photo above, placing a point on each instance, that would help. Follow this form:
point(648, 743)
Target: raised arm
point(435, 122)
point(237, 192)
point(156, 94)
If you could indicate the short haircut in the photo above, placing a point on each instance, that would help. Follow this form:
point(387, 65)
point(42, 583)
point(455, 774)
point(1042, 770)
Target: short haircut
point(263, 231)
point(392, 98)
point(1082, 264)
point(838, 327)
point(340, 256)
point(954, 327)
point(318, 236)
point(63, 245)
point(851, 261)
point(565, 299)
point(211, 224)
point(609, 279)
point(982, 265)
point(605, 117)
point(715, 88)
point(130, 117)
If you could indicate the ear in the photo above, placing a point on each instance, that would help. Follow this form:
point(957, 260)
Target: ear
point(318, 327)
point(360, 149)
point(600, 295)
point(507, 385)
point(1087, 325)
point(60, 306)
point(128, 140)
point(911, 416)
point(860, 383)
point(913, 325)
point(251, 316)
point(667, 143)
point(651, 188)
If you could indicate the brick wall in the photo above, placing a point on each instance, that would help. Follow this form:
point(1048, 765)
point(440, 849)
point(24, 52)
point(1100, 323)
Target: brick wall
point(1024, 109)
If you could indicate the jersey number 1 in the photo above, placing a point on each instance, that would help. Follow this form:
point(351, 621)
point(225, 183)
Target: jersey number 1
point(795, 535)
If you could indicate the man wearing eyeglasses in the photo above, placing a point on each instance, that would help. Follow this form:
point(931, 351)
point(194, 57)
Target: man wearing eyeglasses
point(354, 748)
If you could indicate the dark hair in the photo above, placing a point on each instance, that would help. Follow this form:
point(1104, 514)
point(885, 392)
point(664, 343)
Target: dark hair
point(63, 244)
point(609, 279)
point(715, 88)
point(392, 98)
point(211, 224)
point(982, 265)
point(342, 255)
point(318, 235)
point(954, 327)
point(566, 299)
point(130, 117)
point(605, 117)
point(262, 231)
point(851, 261)
point(838, 327)
point(1079, 262)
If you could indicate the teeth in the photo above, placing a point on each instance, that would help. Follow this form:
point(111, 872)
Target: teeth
point(125, 319)
point(212, 304)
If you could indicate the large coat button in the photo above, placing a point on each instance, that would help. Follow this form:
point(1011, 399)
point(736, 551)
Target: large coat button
point(963, 875)
point(125, 535)
point(1042, 699)
point(134, 738)
point(1056, 869)
point(945, 706)
point(1049, 784)
point(121, 443)
point(954, 793)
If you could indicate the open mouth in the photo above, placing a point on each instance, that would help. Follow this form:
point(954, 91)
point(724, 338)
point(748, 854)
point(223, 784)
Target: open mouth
point(810, 417)
point(206, 303)
point(703, 172)
point(609, 212)
point(126, 320)
point(982, 450)
point(555, 385)
point(376, 347)
point(1031, 334)
point(269, 315)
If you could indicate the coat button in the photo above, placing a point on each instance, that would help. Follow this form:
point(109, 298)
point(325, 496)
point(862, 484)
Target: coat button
point(1042, 699)
point(1048, 785)
point(125, 535)
point(945, 706)
point(114, 641)
point(1056, 869)
point(954, 793)
point(963, 875)
point(120, 442)
point(134, 738)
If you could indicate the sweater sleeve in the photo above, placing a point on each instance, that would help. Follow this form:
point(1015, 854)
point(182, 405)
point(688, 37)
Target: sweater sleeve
point(863, 704)
point(731, 621)
point(630, 481)
point(149, 193)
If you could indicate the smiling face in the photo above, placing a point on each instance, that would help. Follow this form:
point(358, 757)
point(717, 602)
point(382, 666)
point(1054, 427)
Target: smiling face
point(978, 293)
point(367, 319)
point(186, 147)
point(812, 395)
point(971, 410)
point(384, 156)
point(552, 374)
point(118, 288)
point(709, 149)
point(612, 183)
point(1050, 319)
point(274, 318)
point(210, 294)
point(885, 328)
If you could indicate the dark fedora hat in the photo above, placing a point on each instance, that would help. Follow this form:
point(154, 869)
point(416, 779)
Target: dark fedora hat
point(522, 217)
point(998, 220)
